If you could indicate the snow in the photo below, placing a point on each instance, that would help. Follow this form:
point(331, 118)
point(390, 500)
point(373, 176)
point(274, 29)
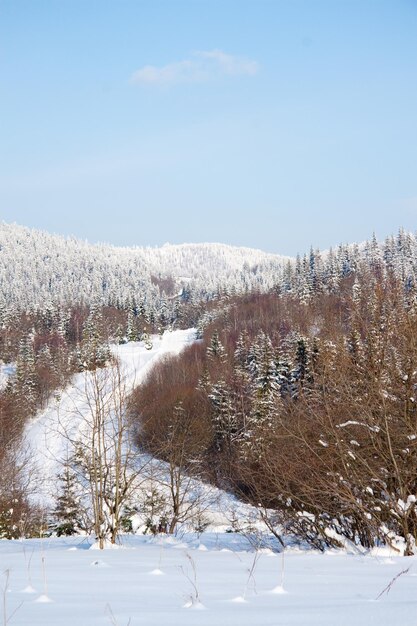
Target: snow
point(38, 269)
point(318, 590)
point(47, 435)
point(6, 370)
point(355, 423)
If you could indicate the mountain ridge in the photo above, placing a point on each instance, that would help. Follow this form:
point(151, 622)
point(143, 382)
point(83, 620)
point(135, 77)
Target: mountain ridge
point(68, 269)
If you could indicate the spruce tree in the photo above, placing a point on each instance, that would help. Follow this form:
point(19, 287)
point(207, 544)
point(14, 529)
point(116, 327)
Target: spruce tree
point(67, 510)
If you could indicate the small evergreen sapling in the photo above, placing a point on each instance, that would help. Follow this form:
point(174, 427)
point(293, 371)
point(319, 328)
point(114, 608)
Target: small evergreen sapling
point(67, 511)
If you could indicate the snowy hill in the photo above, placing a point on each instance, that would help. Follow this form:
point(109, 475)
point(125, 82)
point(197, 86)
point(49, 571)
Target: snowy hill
point(38, 270)
point(37, 267)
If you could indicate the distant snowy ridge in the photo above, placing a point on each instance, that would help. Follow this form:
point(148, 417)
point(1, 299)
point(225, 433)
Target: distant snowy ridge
point(39, 270)
point(37, 267)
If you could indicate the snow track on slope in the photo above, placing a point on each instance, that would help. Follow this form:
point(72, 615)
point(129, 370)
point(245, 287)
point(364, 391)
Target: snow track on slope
point(46, 436)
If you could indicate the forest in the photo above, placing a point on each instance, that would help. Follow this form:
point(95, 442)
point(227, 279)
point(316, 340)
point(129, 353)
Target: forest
point(298, 396)
point(303, 403)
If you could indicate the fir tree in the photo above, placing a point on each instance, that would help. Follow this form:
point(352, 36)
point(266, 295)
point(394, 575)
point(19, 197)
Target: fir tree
point(223, 415)
point(215, 350)
point(67, 510)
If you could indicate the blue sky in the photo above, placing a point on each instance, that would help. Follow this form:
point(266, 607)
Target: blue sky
point(270, 124)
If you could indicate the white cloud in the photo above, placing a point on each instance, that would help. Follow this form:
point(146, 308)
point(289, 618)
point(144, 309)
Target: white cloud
point(201, 67)
point(229, 64)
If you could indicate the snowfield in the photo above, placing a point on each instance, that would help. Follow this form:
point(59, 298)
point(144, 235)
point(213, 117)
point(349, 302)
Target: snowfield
point(149, 581)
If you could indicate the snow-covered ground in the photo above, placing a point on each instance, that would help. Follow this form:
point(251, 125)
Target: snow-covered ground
point(47, 435)
point(6, 370)
point(150, 582)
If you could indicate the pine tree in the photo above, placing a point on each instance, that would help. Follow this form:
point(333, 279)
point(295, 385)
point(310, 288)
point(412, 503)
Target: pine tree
point(265, 383)
point(223, 415)
point(301, 373)
point(215, 350)
point(95, 350)
point(131, 333)
point(67, 510)
point(241, 350)
point(154, 508)
point(332, 279)
point(284, 369)
point(25, 382)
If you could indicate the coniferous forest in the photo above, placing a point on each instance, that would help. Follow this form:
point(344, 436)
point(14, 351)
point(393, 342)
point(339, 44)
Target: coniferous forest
point(298, 394)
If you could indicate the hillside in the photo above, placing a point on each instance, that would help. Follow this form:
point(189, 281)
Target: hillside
point(309, 398)
point(38, 268)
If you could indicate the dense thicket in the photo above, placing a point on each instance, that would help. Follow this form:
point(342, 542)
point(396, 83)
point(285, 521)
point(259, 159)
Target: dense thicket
point(307, 400)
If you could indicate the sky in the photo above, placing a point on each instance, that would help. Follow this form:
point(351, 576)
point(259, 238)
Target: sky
point(272, 124)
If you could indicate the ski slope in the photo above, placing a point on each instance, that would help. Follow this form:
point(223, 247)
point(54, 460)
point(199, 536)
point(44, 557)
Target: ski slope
point(47, 436)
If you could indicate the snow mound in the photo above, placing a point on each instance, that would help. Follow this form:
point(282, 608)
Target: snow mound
point(157, 572)
point(43, 599)
point(239, 600)
point(195, 606)
point(279, 590)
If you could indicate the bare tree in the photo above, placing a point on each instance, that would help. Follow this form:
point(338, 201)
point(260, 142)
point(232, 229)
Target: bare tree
point(178, 443)
point(107, 459)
